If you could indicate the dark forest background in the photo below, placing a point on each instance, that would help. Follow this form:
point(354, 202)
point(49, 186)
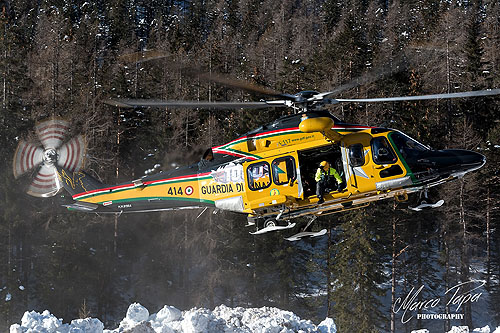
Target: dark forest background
point(65, 57)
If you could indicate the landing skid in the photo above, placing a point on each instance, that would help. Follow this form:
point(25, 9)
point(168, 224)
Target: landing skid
point(425, 205)
point(303, 234)
point(273, 228)
point(271, 225)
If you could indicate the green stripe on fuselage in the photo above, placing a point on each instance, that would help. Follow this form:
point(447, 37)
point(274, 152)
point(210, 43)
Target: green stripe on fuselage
point(407, 167)
point(161, 182)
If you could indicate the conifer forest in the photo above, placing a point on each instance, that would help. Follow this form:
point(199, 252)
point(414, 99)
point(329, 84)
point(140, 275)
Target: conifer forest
point(64, 58)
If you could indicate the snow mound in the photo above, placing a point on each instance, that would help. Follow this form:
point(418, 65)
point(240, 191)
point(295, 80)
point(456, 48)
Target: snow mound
point(45, 322)
point(464, 329)
point(171, 320)
point(485, 329)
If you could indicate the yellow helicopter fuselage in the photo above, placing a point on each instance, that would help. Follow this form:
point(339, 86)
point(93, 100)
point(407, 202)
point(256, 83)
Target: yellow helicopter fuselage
point(269, 173)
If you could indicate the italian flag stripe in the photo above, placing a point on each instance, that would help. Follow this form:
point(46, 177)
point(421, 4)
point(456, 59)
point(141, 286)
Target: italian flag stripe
point(120, 188)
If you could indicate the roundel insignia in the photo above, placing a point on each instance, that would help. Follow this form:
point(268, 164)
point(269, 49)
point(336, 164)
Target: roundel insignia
point(188, 190)
point(274, 191)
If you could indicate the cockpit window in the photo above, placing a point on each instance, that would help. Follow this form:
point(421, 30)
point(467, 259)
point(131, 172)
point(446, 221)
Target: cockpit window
point(410, 151)
point(407, 146)
point(382, 151)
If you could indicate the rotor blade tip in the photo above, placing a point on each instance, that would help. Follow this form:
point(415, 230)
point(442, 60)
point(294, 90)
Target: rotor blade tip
point(117, 103)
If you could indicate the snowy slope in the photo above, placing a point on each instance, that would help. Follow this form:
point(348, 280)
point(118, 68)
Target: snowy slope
point(171, 320)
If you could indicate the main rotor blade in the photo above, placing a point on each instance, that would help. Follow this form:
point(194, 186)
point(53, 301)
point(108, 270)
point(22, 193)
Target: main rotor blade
point(378, 73)
point(131, 103)
point(196, 71)
point(490, 92)
point(239, 84)
point(146, 55)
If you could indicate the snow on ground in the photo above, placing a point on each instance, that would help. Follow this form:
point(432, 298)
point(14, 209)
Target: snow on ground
point(464, 329)
point(171, 320)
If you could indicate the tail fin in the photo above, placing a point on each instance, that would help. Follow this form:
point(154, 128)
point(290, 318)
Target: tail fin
point(78, 182)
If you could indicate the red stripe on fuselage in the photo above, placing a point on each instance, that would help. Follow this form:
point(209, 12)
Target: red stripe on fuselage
point(107, 189)
point(226, 152)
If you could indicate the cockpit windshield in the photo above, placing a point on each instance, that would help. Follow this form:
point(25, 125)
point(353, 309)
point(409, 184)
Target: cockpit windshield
point(407, 145)
point(410, 149)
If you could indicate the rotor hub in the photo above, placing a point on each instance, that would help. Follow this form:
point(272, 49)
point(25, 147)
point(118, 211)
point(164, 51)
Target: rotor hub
point(50, 156)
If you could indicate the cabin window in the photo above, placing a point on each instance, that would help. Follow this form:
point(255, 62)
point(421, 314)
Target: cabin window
point(251, 144)
point(382, 151)
point(283, 170)
point(394, 170)
point(356, 155)
point(259, 176)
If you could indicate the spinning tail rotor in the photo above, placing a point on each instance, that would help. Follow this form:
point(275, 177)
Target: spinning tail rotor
point(51, 154)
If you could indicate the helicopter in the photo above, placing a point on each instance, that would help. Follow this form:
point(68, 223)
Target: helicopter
point(267, 173)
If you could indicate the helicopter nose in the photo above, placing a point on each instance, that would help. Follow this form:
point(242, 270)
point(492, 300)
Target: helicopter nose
point(465, 160)
point(471, 160)
point(453, 161)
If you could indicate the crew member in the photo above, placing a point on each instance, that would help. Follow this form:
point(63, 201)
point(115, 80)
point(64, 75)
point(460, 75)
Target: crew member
point(326, 177)
point(206, 160)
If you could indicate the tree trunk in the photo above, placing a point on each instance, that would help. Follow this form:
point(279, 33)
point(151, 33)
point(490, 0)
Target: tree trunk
point(393, 273)
point(117, 175)
point(328, 272)
point(488, 236)
point(464, 267)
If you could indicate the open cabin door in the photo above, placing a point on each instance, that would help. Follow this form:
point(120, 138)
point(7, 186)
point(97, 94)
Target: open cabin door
point(272, 181)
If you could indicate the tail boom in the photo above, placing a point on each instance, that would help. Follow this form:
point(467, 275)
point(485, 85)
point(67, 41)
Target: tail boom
point(90, 195)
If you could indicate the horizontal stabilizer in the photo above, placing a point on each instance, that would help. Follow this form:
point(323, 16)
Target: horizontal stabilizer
point(82, 206)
